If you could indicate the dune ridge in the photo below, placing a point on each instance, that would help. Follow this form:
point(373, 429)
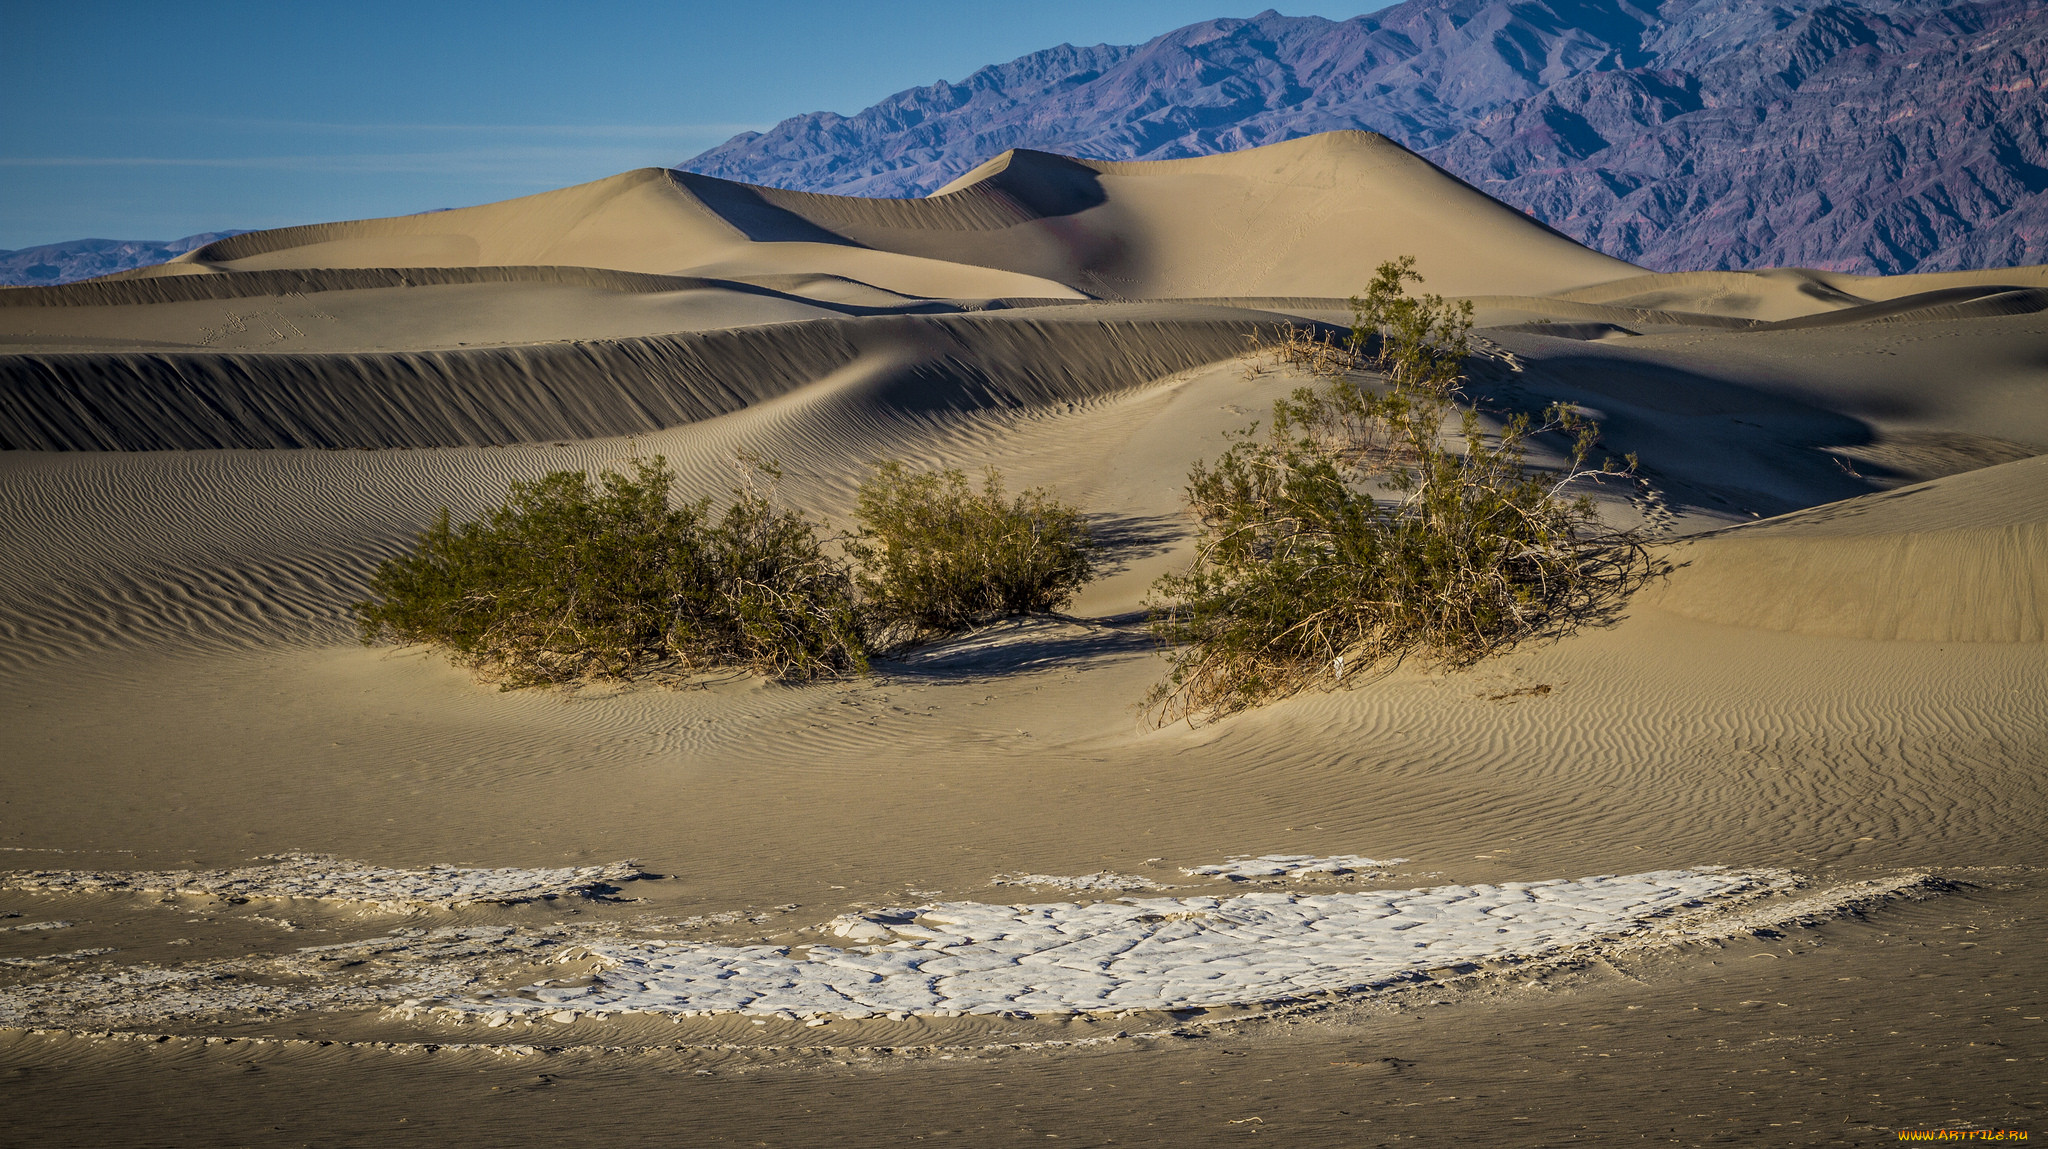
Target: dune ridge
point(496, 396)
point(113, 291)
point(1331, 207)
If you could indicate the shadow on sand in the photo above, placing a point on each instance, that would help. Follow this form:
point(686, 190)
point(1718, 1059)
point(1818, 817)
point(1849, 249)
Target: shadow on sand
point(1023, 645)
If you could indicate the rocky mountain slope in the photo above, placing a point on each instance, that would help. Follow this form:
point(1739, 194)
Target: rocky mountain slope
point(1866, 136)
point(84, 258)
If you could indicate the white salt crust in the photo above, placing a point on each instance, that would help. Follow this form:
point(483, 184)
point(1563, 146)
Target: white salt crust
point(403, 964)
point(1131, 954)
point(1242, 869)
point(1099, 880)
point(1237, 869)
point(455, 974)
point(327, 878)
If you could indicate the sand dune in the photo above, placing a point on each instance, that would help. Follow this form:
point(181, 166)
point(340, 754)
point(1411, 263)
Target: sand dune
point(1978, 302)
point(632, 222)
point(1307, 217)
point(583, 389)
point(1840, 685)
point(1961, 559)
point(644, 221)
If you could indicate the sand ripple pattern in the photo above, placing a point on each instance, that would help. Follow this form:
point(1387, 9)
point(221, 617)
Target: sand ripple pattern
point(216, 550)
point(1758, 751)
point(581, 390)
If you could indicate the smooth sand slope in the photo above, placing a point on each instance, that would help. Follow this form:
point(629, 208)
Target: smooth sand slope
point(429, 912)
point(1961, 559)
point(1309, 217)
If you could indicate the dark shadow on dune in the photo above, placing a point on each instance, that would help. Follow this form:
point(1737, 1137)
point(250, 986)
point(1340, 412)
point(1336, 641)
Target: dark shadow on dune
point(1974, 301)
point(1025, 187)
point(1013, 360)
point(1019, 646)
point(1042, 642)
point(1121, 540)
point(1048, 184)
point(1584, 332)
point(608, 892)
point(543, 392)
point(1708, 445)
point(744, 207)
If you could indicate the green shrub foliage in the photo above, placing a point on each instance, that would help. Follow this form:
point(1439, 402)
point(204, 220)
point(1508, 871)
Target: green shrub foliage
point(575, 578)
point(934, 556)
point(1353, 532)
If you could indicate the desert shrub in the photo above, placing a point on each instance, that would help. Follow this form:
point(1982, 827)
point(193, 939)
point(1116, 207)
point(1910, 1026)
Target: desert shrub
point(785, 608)
point(1421, 342)
point(1304, 574)
point(575, 578)
point(935, 556)
point(1314, 348)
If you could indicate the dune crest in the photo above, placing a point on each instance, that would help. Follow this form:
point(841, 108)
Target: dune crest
point(1308, 217)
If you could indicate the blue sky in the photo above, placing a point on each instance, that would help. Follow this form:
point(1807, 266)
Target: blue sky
point(154, 120)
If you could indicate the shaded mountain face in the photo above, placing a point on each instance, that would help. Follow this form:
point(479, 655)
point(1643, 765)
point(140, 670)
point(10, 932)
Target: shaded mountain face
point(84, 258)
point(1873, 136)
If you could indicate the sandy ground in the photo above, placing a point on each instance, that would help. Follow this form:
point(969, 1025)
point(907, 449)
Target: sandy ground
point(1842, 683)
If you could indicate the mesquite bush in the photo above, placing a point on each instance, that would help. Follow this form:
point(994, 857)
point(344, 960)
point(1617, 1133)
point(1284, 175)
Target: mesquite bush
point(935, 556)
point(574, 578)
point(1355, 532)
point(577, 577)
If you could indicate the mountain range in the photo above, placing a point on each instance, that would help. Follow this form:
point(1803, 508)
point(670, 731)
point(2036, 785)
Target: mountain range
point(84, 258)
point(1878, 136)
point(1865, 136)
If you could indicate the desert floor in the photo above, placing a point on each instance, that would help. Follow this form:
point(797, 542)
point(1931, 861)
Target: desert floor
point(1838, 693)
